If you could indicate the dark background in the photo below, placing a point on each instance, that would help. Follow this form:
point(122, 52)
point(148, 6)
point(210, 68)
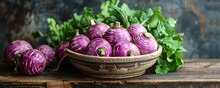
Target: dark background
point(199, 20)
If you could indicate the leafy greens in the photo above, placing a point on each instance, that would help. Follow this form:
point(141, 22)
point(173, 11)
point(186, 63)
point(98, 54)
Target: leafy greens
point(162, 29)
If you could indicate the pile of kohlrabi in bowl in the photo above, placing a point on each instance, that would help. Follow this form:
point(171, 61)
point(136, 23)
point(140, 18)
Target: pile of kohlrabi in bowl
point(105, 41)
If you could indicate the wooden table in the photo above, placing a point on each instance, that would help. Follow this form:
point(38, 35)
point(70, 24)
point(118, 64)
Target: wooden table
point(196, 73)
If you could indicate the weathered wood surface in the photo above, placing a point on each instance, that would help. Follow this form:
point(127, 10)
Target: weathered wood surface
point(197, 73)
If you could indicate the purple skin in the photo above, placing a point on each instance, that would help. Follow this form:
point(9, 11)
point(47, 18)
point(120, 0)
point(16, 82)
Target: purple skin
point(33, 62)
point(48, 53)
point(136, 29)
point(145, 42)
point(61, 50)
point(99, 47)
point(124, 49)
point(79, 43)
point(97, 30)
point(117, 34)
point(14, 48)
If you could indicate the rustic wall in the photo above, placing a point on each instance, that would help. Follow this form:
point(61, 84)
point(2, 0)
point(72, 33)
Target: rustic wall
point(198, 19)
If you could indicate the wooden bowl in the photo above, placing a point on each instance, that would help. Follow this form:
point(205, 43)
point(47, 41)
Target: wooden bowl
point(113, 67)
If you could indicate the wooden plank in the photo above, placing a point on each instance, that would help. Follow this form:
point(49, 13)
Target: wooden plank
point(151, 85)
point(192, 69)
point(195, 73)
point(10, 79)
point(22, 85)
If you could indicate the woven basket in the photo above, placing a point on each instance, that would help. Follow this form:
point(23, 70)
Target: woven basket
point(113, 67)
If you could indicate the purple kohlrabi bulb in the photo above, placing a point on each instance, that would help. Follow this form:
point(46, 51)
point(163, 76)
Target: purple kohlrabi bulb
point(33, 62)
point(97, 30)
point(117, 34)
point(136, 29)
point(48, 53)
point(145, 42)
point(99, 47)
point(61, 50)
point(79, 43)
point(125, 49)
point(14, 48)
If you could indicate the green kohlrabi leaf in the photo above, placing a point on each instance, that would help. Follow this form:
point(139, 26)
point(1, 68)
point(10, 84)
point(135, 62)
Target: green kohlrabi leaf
point(153, 21)
point(114, 2)
point(127, 10)
point(149, 12)
point(173, 44)
point(121, 16)
point(171, 22)
point(77, 17)
point(37, 34)
point(178, 59)
point(178, 37)
point(161, 69)
point(161, 29)
point(104, 8)
point(169, 59)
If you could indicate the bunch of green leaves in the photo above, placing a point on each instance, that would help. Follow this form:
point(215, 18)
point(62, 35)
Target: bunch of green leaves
point(164, 31)
point(161, 28)
point(58, 32)
point(68, 29)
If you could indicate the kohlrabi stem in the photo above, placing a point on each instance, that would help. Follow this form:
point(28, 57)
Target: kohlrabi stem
point(117, 24)
point(92, 22)
point(17, 62)
point(143, 22)
point(77, 32)
point(101, 51)
point(147, 35)
point(123, 16)
point(131, 53)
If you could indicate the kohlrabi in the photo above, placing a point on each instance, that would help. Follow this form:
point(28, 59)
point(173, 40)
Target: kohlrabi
point(99, 47)
point(145, 42)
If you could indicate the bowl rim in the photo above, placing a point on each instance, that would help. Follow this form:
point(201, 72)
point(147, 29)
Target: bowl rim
point(91, 58)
